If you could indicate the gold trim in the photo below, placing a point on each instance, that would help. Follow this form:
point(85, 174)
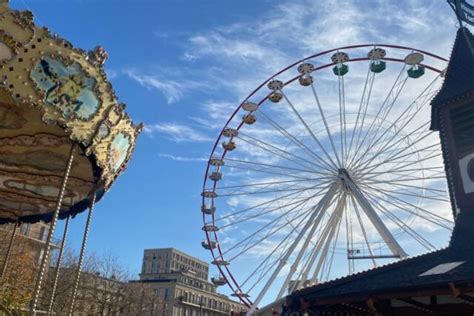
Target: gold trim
point(31, 44)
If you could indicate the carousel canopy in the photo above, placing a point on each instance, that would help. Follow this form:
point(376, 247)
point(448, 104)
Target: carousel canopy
point(54, 97)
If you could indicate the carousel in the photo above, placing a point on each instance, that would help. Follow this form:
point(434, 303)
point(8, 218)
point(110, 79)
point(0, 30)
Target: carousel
point(64, 136)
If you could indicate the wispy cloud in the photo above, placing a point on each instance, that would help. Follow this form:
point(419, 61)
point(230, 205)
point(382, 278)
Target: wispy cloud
point(176, 132)
point(171, 89)
point(182, 159)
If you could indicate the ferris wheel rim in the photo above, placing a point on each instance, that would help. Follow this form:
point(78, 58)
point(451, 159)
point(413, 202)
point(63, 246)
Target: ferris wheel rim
point(224, 271)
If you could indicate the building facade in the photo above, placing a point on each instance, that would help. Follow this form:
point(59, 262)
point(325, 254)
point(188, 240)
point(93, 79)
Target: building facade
point(29, 238)
point(168, 260)
point(181, 284)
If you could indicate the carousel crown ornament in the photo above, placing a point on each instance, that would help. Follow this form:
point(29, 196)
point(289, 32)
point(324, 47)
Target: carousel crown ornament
point(53, 96)
point(64, 137)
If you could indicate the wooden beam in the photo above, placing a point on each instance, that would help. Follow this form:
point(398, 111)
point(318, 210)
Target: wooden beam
point(417, 305)
point(455, 291)
point(371, 305)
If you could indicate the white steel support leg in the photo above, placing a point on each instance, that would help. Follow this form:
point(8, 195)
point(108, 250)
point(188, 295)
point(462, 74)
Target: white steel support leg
point(327, 230)
point(386, 235)
point(283, 261)
point(321, 209)
point(332, 229)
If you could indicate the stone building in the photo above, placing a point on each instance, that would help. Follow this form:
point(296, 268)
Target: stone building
point(30, 238)
point(181, 284)
point(168, 260)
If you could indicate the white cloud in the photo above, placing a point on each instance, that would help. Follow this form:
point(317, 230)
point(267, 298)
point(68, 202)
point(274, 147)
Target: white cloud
point(176, 132)
point(172, 90)
point(182, 159)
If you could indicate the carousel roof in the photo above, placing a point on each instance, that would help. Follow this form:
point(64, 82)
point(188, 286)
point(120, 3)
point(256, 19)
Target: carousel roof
point(53, 97)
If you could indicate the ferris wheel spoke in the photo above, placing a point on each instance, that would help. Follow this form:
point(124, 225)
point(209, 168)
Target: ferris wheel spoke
point(424, 188)
point(241, 189)
point(268, 171)
point(349, 237)
point(267, 211)
point(283, 185)
point(409, 113)
point(393, 91)
point(321, 163)
point(407, 164)
point(405, 167)
point(328, 196)
point(321, 210)
point(278, 151)
point(410, 179)
point(405, 206)
point(384, 232)
point(395, 219)
point(327, 243)
point(302, 212)
point(283, 131)
point(266, 203)
point(433, 191)
point(265, 271)
point(298, 189)
point(436, 221)
point(273, 166)
point(266, 184)
point(342, 117)
point(311, 133)
point(400, 169)
point(283, 249)
point(421, 133)
point(395, 157)
point(396, 146)
point(326, 125)
point(331, 260)
point(325, 234)
point(391, 99)
point(406, 116)
point(363, 106)
point(423, 196)
point(364, 233)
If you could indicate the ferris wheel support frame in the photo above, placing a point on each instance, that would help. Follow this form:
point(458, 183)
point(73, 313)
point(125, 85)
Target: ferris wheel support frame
point(387, 236)
point(283, 261)
point(353, 189)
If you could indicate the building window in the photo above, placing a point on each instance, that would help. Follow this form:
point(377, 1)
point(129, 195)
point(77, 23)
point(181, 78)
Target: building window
point(25, 228)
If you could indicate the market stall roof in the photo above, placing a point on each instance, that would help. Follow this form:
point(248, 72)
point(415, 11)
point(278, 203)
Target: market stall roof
point(455, 264)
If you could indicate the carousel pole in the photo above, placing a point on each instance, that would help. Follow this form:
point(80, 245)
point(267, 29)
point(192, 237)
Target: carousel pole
point(9, 251)
point(45, 259)
point(58, 266)
point(81, 255)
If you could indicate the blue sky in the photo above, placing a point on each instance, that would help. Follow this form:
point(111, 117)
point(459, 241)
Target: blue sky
point(182, 67)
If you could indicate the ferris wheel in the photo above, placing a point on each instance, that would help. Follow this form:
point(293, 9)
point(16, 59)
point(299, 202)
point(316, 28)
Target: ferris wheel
point(327, 168)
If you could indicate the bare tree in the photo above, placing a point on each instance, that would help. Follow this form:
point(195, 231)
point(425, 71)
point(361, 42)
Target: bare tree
point(104, 288)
